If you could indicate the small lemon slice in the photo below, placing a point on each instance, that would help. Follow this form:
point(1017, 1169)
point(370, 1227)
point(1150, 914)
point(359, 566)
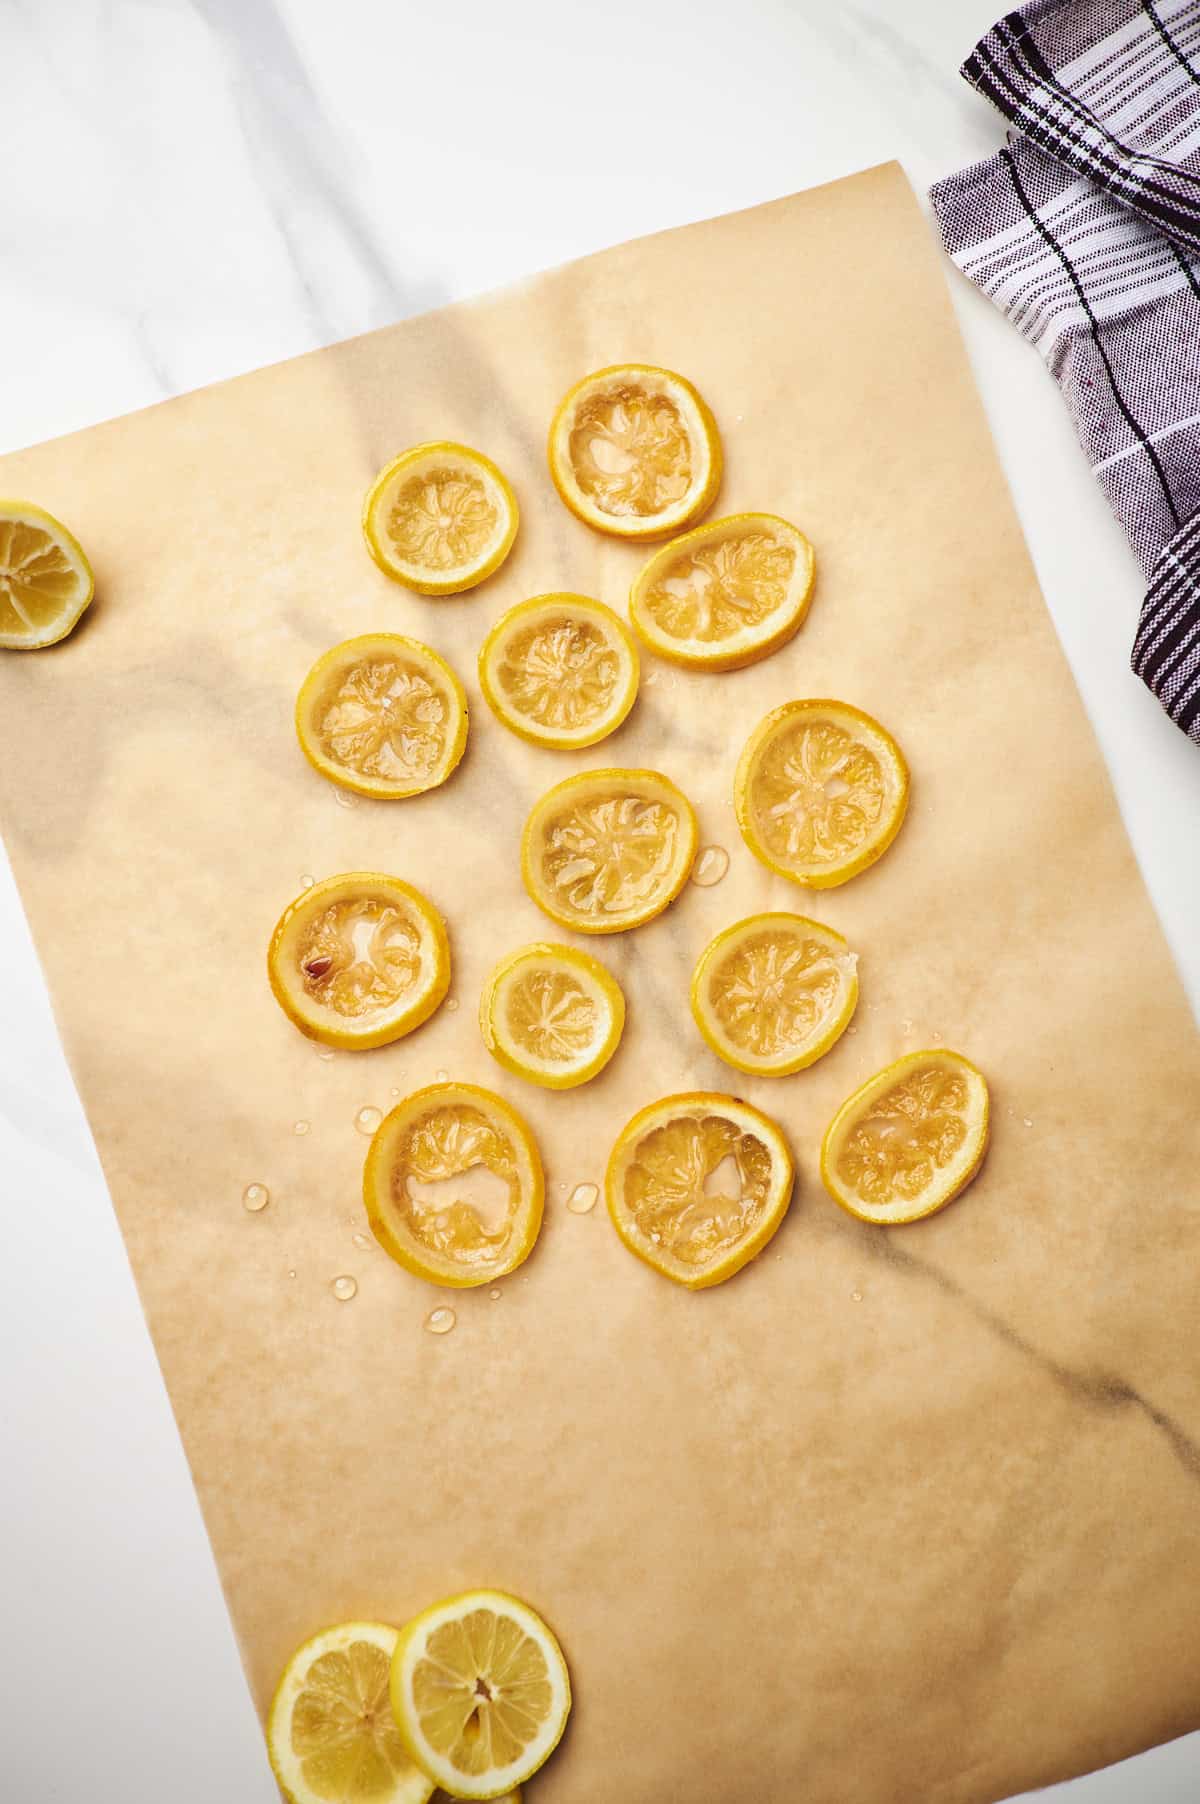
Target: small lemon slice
point(608, 849)
point(560, 670)
point(46, 581)
point(909, 1139)
point(773, 993)
point(440, 518)
point(634, 451)
point(552, 1014)
point(726, 594)
point(359, 960)
point(331, 1734)
point(480, 1693)
point(382, 715)
point(820, 791)
point(453, 1185)
point(697, 1184)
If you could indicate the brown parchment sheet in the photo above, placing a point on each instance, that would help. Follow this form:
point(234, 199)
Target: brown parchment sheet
point(940, 1543)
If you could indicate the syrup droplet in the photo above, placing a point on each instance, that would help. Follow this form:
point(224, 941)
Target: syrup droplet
point(363, 1242)
point(256, 1197)
point(1027, 1121)
point(494, 1295)
point(440, 1321)
point(345, 798)
point(344, 1288)
point(307, 881)
point(441, 1076)
point(856, 1296)
point(368, 1119)
point(301, 1127)
point(325, 1052)
point(711, 866)
point(395, 1091)
point(583, 1198)
point(451, 1004)
point(291, 1274)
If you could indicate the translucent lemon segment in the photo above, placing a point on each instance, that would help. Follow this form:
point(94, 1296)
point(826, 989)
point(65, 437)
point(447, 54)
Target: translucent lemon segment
point(359, 960)
point(560, 670)
point(726, 594)
point(331, 1735)
point(480, 1693)
point(552, 1014)
point(697, 1184)
point(820, 792)
point(635, 451)
point(46, 581)
point(453, 1185)
point(909, 1140)
point(440, 518)
point(773, 993)
point(608, 849)
point(382, 715)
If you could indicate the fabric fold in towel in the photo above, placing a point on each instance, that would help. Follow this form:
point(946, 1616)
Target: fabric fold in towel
point(1085, 231)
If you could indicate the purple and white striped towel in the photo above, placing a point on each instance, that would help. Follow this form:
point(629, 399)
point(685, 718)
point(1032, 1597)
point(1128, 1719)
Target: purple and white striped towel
point(1085, 231)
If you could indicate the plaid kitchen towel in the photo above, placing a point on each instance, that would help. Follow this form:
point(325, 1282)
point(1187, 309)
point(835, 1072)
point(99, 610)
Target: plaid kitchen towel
point(1085, 231)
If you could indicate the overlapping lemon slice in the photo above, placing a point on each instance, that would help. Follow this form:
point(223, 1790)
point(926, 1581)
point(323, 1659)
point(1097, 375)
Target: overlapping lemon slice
point(697, 1184)
point(635, 451)
point(552, 1014)
point(560, 670)
point(480, 1692)
point(331, 1735)
point(608, 849)
point(453, 1185)
point(909, 1140)
point(46, 581)
point(820, 791)
point(773, 993)
point(382, 715)
point(440, 518)
point(359, 960)
point(726, 594)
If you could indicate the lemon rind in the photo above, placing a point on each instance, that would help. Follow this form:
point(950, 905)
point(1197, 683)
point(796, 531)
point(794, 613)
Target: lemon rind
point(550, 738)
point(64, 626)
point(715, 660)
point(498, 1046)
point(456, 583)
point(378, 789)
point(834, 1028)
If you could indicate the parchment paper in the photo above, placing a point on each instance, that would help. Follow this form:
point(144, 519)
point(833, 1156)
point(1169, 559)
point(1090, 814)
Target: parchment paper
point(942, 1543)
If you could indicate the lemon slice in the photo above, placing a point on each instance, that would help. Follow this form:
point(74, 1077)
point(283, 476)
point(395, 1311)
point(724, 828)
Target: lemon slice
point(773, 993)
point(439, 518)
point(480, 1693)
point(552, 1014)
point(820, 791)
point(725, 594)
point(697, 1184)
point(560, 670)
point(331, 1735)
point(608, 849)
point(382, 715)
point(453, 1185)
point(45, 580)
point(359, 960)
point(635, 451)
point(909, 1139)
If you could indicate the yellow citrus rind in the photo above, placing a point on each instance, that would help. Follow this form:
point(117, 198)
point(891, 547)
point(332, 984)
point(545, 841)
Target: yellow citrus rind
point(382, 715)
point(607, 850)
point(46, 581)
point(552, 1014)
point(440, 518)
point(774, 992)
point(560, 670)
point(725, 594)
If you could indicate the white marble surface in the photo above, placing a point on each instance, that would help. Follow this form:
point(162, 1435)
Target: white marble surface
point(195, 189)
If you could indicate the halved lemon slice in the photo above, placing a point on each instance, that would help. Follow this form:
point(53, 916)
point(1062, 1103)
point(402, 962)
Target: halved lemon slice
point(331, 1735)
point(453, 1185)
point(440, 518)
point(480, 1693)
point(697, 1184)
point(560, 670)
point(820, 791)
point(382, 715)
point(45, 580)
point(359, 960)
point(552, 1014)
point(608, 849)
point(726, 594)
point(635, 451)
point(773, 993)
point(909, 1139)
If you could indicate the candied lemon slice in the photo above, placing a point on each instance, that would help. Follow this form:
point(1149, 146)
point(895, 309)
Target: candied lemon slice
point(697, 1184)
point(820, 791)
point(453, 1185)
point(359, 960)
point(552, 1014)
point(726, 594)
point(560, 670)
point(635, 451)
point(608, 849)
point(480, 1692)
point(773, 993)
point(909, 1139)
point(382, 715)
point(45, 580)
point(331, 1735)
point(440, 518)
